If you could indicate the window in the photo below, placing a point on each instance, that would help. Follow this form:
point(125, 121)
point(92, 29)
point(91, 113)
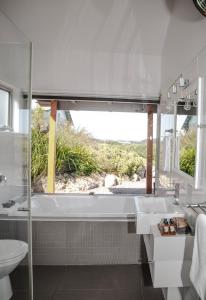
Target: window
point(102, 152)
point(5, 112)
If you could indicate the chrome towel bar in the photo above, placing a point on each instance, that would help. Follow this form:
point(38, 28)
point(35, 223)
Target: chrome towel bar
point(200, 206)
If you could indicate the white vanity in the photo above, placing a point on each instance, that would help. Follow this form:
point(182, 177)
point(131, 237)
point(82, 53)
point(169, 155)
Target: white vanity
point(169, 257)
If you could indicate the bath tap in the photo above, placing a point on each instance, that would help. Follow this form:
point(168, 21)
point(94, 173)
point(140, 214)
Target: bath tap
point(176, 194)
point(91, 193)
point(3, 178)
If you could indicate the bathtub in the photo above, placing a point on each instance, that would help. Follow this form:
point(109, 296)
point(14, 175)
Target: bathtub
point(79, 229)
point(81, 208)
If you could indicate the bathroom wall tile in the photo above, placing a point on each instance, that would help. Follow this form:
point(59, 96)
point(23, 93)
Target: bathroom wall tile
point(8, 229)
point(49, 234)
point(100, 234)
point(22, 230)
point(84, 243)
point(50, 256)
point(101, 257)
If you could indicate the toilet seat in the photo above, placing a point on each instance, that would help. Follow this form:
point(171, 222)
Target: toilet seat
point(12, 250)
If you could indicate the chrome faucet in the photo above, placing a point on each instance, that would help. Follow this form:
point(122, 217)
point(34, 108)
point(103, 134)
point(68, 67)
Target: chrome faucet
point(3, 178)
point(177, 194)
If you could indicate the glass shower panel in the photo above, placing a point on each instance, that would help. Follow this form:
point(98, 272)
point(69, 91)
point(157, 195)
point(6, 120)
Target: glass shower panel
point(166, 147)
point(15, 94)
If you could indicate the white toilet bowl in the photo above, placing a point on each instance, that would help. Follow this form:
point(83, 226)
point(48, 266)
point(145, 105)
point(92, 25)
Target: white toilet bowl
point(11, 254)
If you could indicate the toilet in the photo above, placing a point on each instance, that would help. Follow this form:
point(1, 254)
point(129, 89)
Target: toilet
point(11, 254)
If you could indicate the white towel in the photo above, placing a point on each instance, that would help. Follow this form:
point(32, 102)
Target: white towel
point(198, 267)
point(167, 142)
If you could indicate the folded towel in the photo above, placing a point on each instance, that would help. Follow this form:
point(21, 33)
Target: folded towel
point(198, 267)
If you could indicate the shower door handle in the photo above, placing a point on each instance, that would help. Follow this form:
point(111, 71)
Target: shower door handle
point(23, 209)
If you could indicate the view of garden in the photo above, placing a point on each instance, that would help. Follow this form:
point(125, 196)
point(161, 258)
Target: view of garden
point(83, 163)
point(188, 152)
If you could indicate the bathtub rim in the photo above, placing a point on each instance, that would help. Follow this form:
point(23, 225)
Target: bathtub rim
point(77, 217)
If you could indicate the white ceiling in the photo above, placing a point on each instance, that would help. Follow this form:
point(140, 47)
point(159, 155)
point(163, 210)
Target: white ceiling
point(107, 47)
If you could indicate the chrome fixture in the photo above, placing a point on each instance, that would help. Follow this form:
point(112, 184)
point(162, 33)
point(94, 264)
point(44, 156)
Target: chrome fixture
point(8, 204)
point(177, 194)
point(3, 178)
point(187, 105)
point(202, 207)
point(174, 89)
point(178, 87)
point(168, 95)
point(23, 209)
point(181, 81)
point(201, 6)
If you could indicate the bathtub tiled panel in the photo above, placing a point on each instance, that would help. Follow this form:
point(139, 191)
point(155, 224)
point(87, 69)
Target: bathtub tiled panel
point(49, 235)
point(84, 243)
point(78, 243)
point(8, 229)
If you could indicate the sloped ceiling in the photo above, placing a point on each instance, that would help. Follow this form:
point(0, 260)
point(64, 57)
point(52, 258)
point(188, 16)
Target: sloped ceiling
point(104, 47)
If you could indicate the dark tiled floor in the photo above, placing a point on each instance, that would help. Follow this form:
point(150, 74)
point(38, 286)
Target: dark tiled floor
point(115, 282)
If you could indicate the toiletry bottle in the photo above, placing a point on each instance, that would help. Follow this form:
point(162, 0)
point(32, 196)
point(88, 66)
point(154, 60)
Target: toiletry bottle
point(172, 227)
point(166, 227)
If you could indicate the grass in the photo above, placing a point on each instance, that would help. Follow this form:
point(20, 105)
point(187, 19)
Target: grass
point(77, 153)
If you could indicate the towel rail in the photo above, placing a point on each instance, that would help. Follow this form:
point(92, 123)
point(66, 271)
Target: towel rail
point(201, 207)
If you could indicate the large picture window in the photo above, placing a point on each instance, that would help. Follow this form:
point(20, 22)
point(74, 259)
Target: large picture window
point(101, 152)
point(5, 112)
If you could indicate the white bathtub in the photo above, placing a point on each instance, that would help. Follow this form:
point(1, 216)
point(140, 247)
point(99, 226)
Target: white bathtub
point(82, 208)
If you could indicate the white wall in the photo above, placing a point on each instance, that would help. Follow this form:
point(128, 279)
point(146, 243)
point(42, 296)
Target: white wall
point(110, 47)
point(14, 75)
point(184, 39)
point(97, 73)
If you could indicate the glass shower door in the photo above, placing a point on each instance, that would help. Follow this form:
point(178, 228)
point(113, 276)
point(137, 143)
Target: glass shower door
point(15, 108)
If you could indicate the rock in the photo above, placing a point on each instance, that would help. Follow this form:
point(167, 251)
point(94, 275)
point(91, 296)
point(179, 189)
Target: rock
point(111, 180)
point(142, 172)
point(39, 186)
point(136, 177)
point(93, 185)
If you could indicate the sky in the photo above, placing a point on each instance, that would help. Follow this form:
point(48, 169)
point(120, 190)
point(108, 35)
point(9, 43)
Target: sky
point(115, 126)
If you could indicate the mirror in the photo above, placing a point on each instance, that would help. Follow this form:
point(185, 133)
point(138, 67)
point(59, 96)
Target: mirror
point(190, 132)
point(186, 139)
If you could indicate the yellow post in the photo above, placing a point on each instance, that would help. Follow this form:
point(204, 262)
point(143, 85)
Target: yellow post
point(52, 148)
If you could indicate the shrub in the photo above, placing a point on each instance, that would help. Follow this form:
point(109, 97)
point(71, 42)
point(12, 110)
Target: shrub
point(76, 160)
point(187, 161)
point(77, 153)
point(119, 159)
point(39, 157)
